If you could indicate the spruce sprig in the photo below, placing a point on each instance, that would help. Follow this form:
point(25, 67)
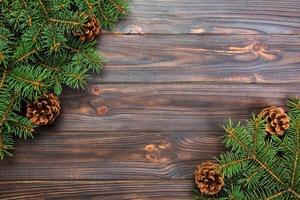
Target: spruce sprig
point(261, 167)
point(39, 52)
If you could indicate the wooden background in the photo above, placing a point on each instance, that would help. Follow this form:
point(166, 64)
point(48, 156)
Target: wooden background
point(176, 70)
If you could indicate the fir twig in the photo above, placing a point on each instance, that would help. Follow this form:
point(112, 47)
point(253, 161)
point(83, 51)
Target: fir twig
point(39, 51)
point(265, 168)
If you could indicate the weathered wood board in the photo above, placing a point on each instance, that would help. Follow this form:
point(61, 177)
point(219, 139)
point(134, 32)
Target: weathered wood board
point(212, 17)
point(175, 72)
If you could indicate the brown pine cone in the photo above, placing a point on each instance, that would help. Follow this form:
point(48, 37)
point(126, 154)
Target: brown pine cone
point(44, 110)
point(209, 181)
point(90, 30)
point(277, 121)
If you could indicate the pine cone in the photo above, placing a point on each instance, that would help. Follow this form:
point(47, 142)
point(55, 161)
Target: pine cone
point(208, 180)
point(277, 121)
point(90, 30)
point(44, 110)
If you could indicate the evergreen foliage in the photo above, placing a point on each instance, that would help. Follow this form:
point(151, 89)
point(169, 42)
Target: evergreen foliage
point(39, 53)
point(258, 166)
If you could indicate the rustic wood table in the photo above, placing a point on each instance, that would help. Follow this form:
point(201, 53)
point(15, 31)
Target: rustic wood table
point(176, 70)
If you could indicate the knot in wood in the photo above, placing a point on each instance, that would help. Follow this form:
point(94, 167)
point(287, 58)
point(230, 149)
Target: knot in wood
point(157, 153)
point(96, 90)
point(102, 110)
point(257, 47)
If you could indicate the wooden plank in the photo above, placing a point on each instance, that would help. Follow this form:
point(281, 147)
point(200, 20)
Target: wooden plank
point(110, 155)
point(166, 107)
point(104, 190)
point(212, 16)
point(148, 131)
point(209, 58)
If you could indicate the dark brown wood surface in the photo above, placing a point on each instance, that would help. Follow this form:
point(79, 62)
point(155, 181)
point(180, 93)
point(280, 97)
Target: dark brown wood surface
point(213, 16)
point(176, 71)
point(104, 190)
point(200, 58)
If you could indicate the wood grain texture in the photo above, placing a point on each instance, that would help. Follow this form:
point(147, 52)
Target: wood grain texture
point(167, 107)
point(148, 131)
point(212, 16)
point(176, 71)
point(104, 190)
point(194, 58)
point(110, 155)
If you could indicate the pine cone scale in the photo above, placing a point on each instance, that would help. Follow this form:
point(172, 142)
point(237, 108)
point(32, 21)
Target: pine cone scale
point(207, 179)
point(90, 30)
point(44, 110)
point(277, 121)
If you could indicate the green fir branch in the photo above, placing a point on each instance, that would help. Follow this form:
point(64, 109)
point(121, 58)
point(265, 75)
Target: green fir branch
point(23, 54)
point(6, 110)
point(263, 167)
point(30, 81)
point(43, 7)
point(296, 161)
point(6, 143)
point(119, 5)
point(3, 78)
point(39, 53)
point(21, 127)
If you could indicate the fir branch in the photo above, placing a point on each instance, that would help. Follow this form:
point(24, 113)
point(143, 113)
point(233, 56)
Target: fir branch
point(110, 12)
point(89, 5)
point(89, 59)
point(6, 143)
point(50, 67)
point(103, 15)
point(5, 34)
point(2, 37)
point(264, 167)
point(66, 22)
point(39, 53)
point(250, 177)
point(297, 153)
point(74, 77)
point(53, 41)
point(33, 35)
point(72, 49)
point(8, 107)
point(22, 127)
point(235, 136)
point(3, 78)
point(234, 162)
point(35, 83)
point(43, 7)
point(24, 3)
point(294, 193)
point(267, 168)
point(294, 107)
point(276, 195)
point(118, 6)
point(27, 129)
point(31, 81)
point(25, 54)
point(2, 145)
point(256, 132)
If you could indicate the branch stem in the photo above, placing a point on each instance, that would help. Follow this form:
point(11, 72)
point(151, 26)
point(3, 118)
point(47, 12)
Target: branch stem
point(3, 78)
point(263, 165)
point(231, 133)
point(294, 192)
point(297, 153)
point(234, 162)
point(277, 195)
point(26, 55)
